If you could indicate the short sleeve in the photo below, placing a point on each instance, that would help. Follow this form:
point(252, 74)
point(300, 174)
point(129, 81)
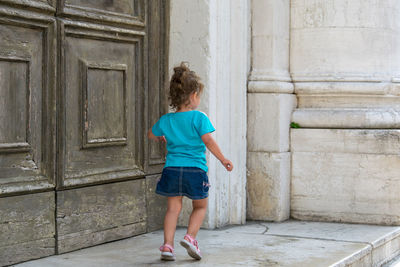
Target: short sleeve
point(156, 129)
point(203, 124)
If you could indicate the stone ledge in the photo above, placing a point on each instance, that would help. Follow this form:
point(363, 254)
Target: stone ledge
point(382, 243)
point(366, 141)
point(322, 85)
point(347, 118)
point(339, 101)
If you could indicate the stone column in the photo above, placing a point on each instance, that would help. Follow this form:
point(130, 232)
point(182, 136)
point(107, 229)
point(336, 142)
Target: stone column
point(270, 105)
point(212, 37)
point(345, 65)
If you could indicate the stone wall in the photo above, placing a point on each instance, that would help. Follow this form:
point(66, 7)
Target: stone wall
point(333, 68)
point(344, 63)
point(212, 36)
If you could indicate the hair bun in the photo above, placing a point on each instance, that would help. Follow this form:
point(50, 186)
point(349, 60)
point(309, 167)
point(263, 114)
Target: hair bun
point(180, 71)
point(183, 83)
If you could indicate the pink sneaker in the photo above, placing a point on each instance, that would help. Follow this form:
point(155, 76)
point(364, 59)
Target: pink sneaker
point(192, 247)
point(167, 255)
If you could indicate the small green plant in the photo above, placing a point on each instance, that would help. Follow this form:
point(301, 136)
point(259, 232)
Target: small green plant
point(294, 125)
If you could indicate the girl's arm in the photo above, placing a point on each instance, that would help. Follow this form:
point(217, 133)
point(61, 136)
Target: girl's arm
point(151, 136)
point(216, 151)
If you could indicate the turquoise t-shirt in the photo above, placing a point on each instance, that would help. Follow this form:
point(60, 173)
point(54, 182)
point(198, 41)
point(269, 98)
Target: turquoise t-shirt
point(183, 131)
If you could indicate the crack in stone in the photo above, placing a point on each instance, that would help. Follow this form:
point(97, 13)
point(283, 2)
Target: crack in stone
point(266, 228)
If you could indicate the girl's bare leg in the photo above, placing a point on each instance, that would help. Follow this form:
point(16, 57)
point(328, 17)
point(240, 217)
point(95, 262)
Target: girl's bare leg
point(197, 216)
point(171, 219)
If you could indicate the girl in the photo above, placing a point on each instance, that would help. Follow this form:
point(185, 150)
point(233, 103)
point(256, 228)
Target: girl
point(187, 133)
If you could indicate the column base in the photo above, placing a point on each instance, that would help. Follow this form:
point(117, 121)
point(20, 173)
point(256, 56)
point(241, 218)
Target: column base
point(268, 186)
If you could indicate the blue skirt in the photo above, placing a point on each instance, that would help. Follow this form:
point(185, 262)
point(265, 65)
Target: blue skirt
point(191, 182)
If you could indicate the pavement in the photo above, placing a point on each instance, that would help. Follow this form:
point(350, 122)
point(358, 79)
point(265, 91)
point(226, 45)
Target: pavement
point(290, 243)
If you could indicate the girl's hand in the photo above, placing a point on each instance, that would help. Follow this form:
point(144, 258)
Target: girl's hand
point(227, 164)
point(151, 136)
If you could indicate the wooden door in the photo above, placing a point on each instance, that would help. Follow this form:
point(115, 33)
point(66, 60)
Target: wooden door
point(80, 82)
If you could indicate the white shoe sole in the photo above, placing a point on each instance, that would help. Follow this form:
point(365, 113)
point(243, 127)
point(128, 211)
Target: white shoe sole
point(191, 250)
point(167, 256)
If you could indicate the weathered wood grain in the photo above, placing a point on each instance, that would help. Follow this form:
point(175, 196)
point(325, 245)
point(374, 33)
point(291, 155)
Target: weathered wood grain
point(88, 238)
point(156, 204)
point(123, 7)
point(42, 5)
point(42, 45)
point(124, 13)
point(110, 114)
point(157, 78)
point(27, 66)
point(26, 251)
point(97, 214)
point(27, 227)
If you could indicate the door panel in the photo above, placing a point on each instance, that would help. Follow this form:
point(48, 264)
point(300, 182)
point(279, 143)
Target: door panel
point(129, 13)
point(96, 214)
point(102, 108)
point(122, 6)
point(26, 136)
point(80, 84)
point(14, 92)
point(27, 227)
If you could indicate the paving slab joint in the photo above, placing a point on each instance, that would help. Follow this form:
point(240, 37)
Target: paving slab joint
point(324, 239)
point(266, 228)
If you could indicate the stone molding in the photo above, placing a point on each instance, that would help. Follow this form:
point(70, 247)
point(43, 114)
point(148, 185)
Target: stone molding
point(274, 86)
point(384, 118)
point(340, 87)
point(360, 141)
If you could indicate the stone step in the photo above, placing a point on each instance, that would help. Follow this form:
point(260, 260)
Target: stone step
point(366, 245)
point(291, 243)
point(393, 263)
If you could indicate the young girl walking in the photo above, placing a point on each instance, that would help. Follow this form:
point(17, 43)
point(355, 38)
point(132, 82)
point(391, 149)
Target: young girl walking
point(187, 133)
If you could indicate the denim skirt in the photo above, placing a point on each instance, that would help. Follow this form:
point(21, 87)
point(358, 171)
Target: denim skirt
point(191, 182)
